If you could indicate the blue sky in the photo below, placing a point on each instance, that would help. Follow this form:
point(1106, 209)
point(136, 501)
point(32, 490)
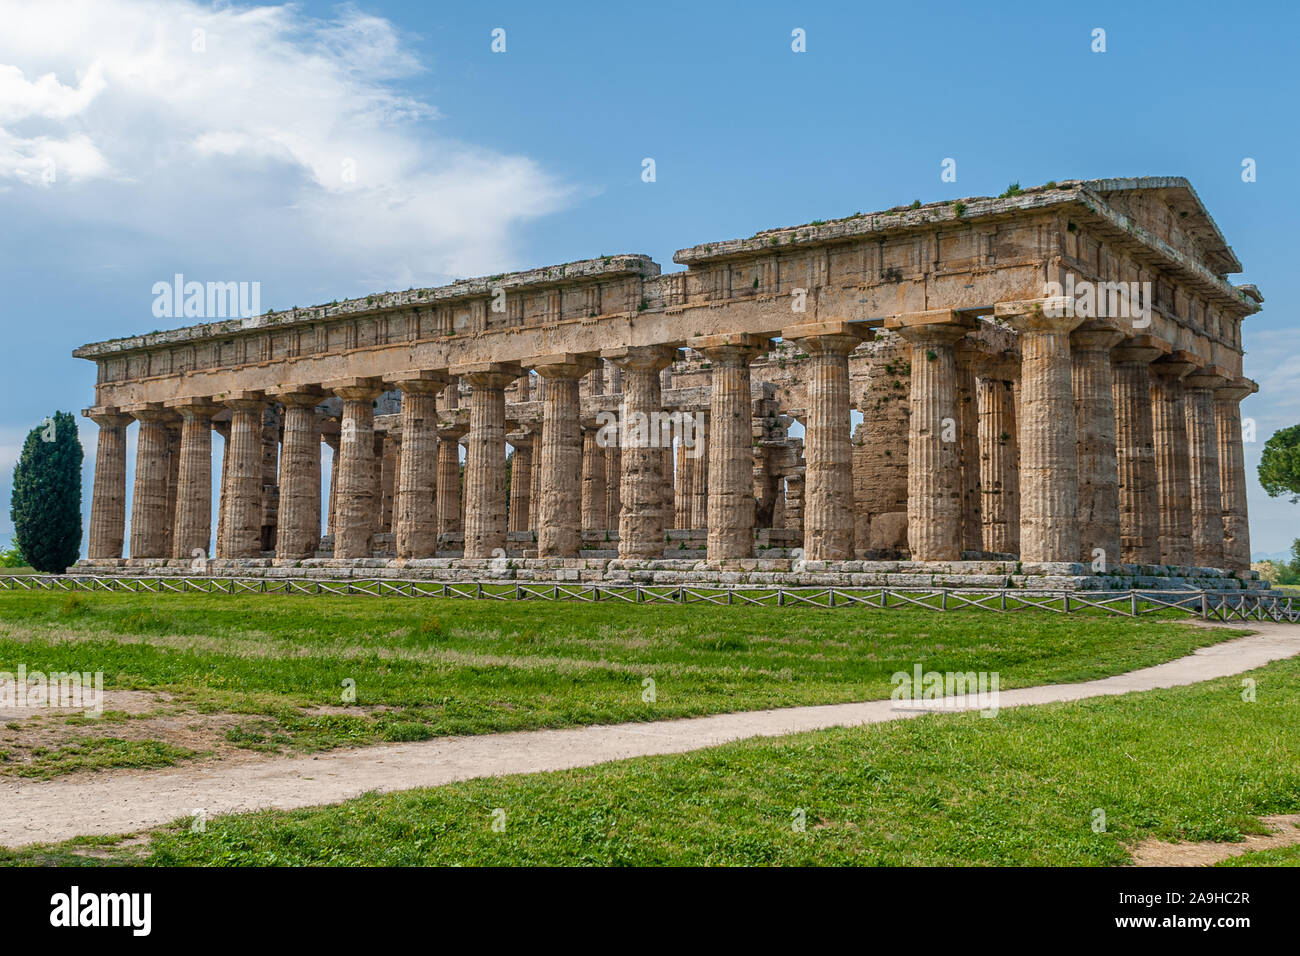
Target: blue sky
point(225, 163)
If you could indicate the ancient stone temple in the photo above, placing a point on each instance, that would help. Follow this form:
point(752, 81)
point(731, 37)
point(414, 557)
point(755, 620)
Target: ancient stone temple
point(1037, 389)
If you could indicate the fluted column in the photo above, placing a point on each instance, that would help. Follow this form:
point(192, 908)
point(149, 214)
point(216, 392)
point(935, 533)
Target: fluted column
point(448, 497)
point(699, 464)
point(535, 485)
point(1094, 423)
point(149, 495)
point(1232, 472)
point(331, 438)
point(640, 523)
point(1139, 520)
point(521, 479)
point(1203, 460)
point(241, 535)
point(999, 466)
point(934, 477)
point(1049, 477)
point(560, 512)
point(192, 531)
point(356, 513)
point(222, 429)
point(731, 443)
point(613, 485)
point(173, 483)
point(968, 355)
point(684, 495)
point(297, 530)
point(108, 497)
point(1173, 476)
point(828, 449)
point(415, 507)
point(485, 462)
point(594, 498)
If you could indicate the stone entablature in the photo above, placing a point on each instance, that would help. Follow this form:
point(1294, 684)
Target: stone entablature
point(1000, 418)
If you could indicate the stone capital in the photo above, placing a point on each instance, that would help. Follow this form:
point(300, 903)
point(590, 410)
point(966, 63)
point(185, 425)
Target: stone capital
point(243, 399)
point(1211, 377)
point(150, 412)
point(1176, 365)
point(355, 389)
point(1235, 390)
point(835, 337)
point(419, 381)
point(642, 358)
point(487, 374)
point(1139, 350)
point(308, 395)
point(1096, 335)
point(566, 365)
point(1050, 314)
point(194, 409)
point(108, 416)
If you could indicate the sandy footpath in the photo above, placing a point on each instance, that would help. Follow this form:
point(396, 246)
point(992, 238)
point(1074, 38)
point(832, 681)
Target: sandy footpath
point(37, 811)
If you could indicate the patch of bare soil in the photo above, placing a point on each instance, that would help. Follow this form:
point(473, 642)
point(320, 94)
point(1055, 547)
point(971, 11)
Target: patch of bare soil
point(1286, 832)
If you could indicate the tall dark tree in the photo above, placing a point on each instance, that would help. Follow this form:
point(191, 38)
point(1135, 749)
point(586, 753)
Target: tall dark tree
point(46, 504)
point(1279, 465)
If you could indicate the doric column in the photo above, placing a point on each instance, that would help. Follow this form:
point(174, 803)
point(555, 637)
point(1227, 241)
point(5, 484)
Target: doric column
point(1049, 477)
point(1139, 522)
point(448, 498)
point(535, 484)
point(1094, 423)
point(1173, 477)
point(880, 449)
point(594, 497)
point(1203, 459)
point(684, 495)
point(1232, 471)
point(193, 522)
point(968, 355)
point(149, 496)
point(699, 464)
point(223, 429)
point(999, 466)
point(415, 508)
point(828, 450)
point(521, 478)
point(560, 512)
point(731, 443)
point(330, 436)
point(640, 523)
point(108, 498)
point(934, 478)
point(241, 535)
point(388, 452)
point(356, 513)
point(485, 462)
point(613, 485)
point(297, 530)
point(173, 483)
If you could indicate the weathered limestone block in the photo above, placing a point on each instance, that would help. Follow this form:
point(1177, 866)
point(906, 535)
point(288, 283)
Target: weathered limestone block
point(641, 520)
point(108, 497)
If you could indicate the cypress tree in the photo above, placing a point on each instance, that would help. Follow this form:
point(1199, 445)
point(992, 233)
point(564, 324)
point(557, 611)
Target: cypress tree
point(46, 504)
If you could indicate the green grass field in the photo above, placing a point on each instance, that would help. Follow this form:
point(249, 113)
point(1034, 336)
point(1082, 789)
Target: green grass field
point(275, 667)
point(1024, 788)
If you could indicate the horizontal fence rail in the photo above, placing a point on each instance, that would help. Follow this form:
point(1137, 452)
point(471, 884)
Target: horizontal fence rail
point(1208, 605)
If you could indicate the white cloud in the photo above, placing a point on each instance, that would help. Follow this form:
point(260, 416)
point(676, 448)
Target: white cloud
point(182, 104)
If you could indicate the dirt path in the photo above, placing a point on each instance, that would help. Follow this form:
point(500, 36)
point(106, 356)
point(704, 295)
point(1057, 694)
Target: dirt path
point(43, 811)
point(1285, 832)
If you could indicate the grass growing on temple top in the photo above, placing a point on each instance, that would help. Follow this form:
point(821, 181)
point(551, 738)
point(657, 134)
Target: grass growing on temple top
point(284, 665)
